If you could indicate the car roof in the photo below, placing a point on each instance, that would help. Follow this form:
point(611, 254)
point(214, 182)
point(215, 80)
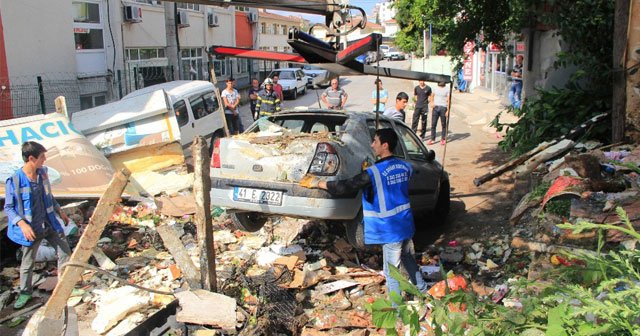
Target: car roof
point(174, 89)
point(319, 111)
point(286, 69)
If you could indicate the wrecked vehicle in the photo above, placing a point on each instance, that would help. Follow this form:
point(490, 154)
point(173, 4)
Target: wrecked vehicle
point(178, 110)
point(256, 174)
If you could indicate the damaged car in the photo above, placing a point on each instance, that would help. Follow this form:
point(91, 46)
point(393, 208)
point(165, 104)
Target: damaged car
point(256, 174)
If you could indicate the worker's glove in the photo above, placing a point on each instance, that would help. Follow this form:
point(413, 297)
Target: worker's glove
point(309, 181)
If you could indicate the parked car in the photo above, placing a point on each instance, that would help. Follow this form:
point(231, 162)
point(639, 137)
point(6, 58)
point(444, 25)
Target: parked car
point(317, 76)
point(293, 81)
point(256, 174)
point(394, 55)
point(384, 49)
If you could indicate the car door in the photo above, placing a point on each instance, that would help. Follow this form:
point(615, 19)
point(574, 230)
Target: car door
point(426, 175)
point(301, 80)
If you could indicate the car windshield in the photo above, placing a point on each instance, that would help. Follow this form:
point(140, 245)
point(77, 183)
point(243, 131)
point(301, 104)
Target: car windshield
point(300, 123)
point(392, 50)
point(284, 74)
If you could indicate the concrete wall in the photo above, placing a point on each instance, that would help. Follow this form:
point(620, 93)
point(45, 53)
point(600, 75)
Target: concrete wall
point(38, 36)
point(435, 64)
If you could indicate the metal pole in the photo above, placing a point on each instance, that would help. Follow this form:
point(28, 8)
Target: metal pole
point(119, 84)
point(135, 78)
point(41, 93)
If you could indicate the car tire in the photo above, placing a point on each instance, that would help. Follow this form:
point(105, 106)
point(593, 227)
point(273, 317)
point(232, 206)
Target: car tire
point(304, 91)
point(248, 221)
point(355, 231)
point(294, 95)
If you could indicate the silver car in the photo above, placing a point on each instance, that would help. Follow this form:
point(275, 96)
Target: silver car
point(256, 174)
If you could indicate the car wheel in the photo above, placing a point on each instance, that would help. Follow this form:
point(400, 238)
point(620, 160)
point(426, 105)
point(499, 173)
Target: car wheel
point(295, 94)
point(248, 221)
point(304, 91)
point(355, 231)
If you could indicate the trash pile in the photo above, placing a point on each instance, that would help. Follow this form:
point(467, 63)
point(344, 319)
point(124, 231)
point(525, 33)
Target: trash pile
point(586, 184)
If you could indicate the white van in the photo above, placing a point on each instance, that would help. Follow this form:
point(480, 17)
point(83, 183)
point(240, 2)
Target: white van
point(158, 113)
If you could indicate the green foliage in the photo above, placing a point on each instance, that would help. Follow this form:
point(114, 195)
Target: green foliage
point(551, 114)
point(539, 191)
point(559, 206)
point(598, 295)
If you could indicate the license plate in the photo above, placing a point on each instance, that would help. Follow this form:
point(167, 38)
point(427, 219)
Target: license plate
point(258, 196)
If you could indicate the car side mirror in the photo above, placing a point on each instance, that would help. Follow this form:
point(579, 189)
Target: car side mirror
point(431, 155)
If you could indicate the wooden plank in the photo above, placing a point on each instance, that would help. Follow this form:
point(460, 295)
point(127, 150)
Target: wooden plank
point(173, 243)
point(46, 323)
point(620, 30)
point(201, 189)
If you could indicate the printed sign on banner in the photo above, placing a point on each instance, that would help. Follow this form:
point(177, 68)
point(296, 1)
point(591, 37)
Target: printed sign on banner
point(76, 167)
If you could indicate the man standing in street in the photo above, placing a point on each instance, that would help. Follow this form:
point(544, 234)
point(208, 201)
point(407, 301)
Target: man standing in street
point(421, 94)
point(334, 97)
point(253, 97)
point(397, 111)
point(231, 99)
point(268, 100)
point(31, 212)
point(388, 220)
point(277, 87)
point(439, 107)
point(515, 92)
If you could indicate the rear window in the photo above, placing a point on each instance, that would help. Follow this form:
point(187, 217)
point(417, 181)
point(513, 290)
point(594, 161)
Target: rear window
point(302, 123)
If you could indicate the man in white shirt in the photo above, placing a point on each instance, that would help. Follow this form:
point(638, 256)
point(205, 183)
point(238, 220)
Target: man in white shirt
point(231, 99)
point(439, 106)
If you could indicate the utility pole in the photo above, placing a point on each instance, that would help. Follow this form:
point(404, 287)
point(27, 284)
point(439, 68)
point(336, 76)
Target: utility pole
point(171, 33)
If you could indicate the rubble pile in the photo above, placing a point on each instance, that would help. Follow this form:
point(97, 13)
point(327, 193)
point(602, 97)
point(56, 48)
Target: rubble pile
point(586, 184)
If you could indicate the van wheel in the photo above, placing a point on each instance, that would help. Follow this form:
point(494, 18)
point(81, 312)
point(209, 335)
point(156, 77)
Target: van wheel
point(248, 221)
point(355, 231)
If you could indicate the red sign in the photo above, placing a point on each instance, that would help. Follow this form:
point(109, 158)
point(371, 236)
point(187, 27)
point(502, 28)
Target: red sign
point(467, 66)
point(520, 46)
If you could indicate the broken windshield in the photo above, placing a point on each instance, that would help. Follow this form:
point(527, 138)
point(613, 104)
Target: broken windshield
point(300, 123)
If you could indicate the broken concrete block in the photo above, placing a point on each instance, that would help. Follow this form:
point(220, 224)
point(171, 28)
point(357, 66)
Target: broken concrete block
point(127, 324)
point(103, 261)
point(116, 309)
point(224, 237)
point(334, 286)
point(205, 308)
point(316, 265)
point(285, 250)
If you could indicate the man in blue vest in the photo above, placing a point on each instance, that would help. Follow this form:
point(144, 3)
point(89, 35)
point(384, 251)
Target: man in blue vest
point(388, 219)
point(31, 211)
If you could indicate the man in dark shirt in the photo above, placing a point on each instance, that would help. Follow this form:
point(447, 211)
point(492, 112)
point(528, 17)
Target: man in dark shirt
point(388, 220)
point(421, 95)
point(253, 96)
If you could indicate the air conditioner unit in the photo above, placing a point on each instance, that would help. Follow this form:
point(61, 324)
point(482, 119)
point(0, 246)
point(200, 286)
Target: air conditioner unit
point(182, 19)
point(212, 20)
point(253, 17)
point(132, 14)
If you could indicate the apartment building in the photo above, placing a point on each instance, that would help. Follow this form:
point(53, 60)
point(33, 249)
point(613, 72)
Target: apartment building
point(96, 51)
point(273, 32)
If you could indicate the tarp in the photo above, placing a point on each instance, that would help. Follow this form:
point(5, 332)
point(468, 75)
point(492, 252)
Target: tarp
point(76, 167)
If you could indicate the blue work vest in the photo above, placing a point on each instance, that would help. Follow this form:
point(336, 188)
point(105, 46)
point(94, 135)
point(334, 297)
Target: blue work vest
point(388, 217)
point(22, 204)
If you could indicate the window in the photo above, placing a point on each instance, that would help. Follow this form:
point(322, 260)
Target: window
point(150, 2)
point(93, 100)
point(86, 12)
point(192, 64)
point(399, 152)
point(135, 54)
point(242, 8)
point(87, 25)
point(220, 67)
point(241, 65)
point(274, 29)
point(189, 6)
point(263, 28)
point(284, 29)
point(412, 144)
point(182, 115)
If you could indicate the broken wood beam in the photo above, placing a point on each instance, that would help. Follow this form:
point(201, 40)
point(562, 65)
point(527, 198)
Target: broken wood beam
point(572, 135)
point(46, 321)
point(533, 246)
point(173, 243)
point(201, 190)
